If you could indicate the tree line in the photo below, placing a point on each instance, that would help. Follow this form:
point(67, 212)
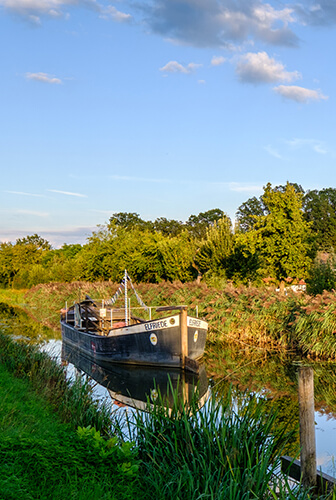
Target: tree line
point(285, 234)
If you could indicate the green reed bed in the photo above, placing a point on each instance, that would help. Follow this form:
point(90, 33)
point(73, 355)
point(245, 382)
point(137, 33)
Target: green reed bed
point(257, 317)
point(226, 450)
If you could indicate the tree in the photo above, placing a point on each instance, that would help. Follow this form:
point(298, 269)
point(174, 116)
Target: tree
point(320, 210)
point(35, 242)
point(280, 238)
point(322, 276)
point(168, 227)
point(7, 269)
point(177, 254)
point(248, 213)
point(129, 220)
point(17, 260)
point(197, 224)
point(250, 210)
point(215, 249)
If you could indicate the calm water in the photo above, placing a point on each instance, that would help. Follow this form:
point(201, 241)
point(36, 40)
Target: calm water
point(274, 379)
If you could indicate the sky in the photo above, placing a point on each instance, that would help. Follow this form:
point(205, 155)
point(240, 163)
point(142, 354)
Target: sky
point(165, 108)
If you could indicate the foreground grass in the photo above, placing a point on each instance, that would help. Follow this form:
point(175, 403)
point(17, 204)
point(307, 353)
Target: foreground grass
point(229, 450)
point(216, 454)
point(43, 458)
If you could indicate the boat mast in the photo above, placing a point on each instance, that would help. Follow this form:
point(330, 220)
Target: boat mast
point(126, 304)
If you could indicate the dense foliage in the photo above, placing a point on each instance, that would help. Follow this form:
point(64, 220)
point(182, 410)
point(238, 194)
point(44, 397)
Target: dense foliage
point(277, 237)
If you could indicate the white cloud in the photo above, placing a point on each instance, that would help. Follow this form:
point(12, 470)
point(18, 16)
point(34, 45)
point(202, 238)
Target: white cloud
point(314, 144)
point(67, 193)
point(112, 13)
point(273, 152)
point(34, 9)
point(217, 60)
point(201, 82)
point(220, 23)
point(21, 193)
point(175, 67)
point(267, 16)
point(260, 68)
point(299, 94)
point(43, 77)
point(34, 19)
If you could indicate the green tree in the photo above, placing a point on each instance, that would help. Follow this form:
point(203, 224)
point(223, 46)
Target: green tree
point(7, 268)
point(34, 242)
point(280, 238)
point(250, 210)
point(168, 227)
point(248, 213)
point(214, 250)
point(320, 210)
point(17, 260)
point(242, 264)
point(129, 220)
point(198, 224)
point(177, 254)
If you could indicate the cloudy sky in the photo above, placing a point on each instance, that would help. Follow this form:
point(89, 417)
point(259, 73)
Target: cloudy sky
point(160, 107)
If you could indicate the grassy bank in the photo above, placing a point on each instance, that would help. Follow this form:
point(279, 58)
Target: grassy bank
point(249, 317)
point(43, 458)
point(57, 442)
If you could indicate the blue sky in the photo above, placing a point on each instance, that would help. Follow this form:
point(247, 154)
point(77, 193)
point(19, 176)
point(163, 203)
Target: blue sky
point(166, 108)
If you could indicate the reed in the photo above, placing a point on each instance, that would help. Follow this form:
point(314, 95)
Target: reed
point(228, 450)
point(72, 400)
point(256, 317)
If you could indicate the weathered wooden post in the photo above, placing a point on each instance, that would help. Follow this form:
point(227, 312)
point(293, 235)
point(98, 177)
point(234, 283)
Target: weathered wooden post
point(307, 427)
point(184, 335)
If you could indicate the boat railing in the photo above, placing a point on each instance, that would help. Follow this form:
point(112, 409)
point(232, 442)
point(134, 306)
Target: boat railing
point(97, 316)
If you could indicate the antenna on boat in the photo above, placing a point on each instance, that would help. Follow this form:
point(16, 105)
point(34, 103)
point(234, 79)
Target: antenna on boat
point(126, 302)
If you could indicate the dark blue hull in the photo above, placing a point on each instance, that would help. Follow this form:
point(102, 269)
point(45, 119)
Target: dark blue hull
point(151, 343)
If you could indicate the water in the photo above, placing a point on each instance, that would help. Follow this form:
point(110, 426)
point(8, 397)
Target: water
point(274, 379)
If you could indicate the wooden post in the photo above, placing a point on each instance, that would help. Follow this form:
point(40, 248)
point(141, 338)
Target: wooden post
point(282, 287)
point(184, 335)
point(307, 427)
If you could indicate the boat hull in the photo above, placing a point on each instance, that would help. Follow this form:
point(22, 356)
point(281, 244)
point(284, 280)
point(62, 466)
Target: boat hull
point(136, 386)
point(152, 343)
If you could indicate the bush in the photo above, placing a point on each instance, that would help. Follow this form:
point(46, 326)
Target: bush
point(322, 277)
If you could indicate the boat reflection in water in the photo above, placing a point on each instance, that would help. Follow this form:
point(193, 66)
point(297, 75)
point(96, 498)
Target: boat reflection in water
point(135, 386)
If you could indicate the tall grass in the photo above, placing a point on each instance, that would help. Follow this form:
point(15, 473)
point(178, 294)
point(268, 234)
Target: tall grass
point(255, 317)
point(42, 458)
point(229, 449)
point(72, 400)
point(226, 450)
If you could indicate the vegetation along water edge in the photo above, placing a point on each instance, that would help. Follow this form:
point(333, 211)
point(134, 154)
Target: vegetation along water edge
point(253, 318)
point(57, 441)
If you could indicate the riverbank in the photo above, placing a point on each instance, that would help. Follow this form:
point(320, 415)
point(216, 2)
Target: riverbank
point(247, 317)
point(43, 454)
point(42, 457)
